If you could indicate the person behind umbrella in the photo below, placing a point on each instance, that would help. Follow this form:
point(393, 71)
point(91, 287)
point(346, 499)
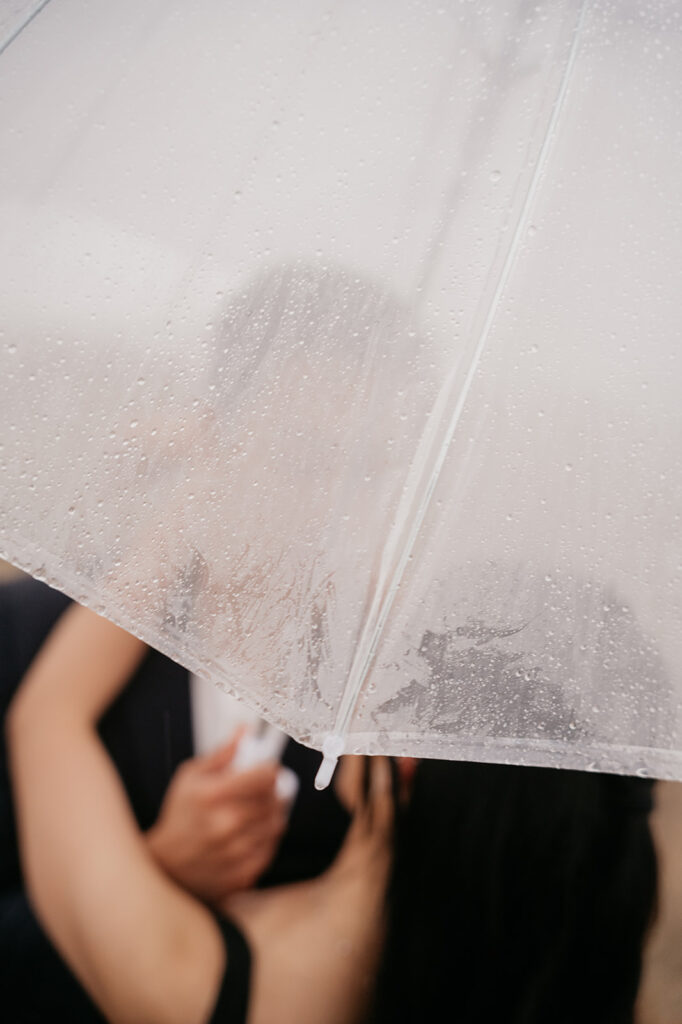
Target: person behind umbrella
point(506, 894)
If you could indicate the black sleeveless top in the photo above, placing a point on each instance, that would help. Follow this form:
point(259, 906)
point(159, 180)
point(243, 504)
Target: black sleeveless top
point(233, 997)
point(26, 954)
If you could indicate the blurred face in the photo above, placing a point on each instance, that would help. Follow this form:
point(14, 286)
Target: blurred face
point(262, 507)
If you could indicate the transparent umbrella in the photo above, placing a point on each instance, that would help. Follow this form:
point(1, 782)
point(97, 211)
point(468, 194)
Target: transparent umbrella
point(340, 359)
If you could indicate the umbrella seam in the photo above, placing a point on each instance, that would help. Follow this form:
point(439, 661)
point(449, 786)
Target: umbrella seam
point(17, 31)
point(382, 604)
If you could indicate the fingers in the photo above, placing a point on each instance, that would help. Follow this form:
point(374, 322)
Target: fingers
point(221, 758)
point(381, 792)
point(407, 766)
point(244, 874)
point(228, 823)
point(375, 809)
point(246, 861)
point(348, 781)
point(256, 784)
point(251, 869)
point(263, 835)
point(380, 780)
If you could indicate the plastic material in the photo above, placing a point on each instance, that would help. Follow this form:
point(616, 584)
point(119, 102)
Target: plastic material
point(340, 359)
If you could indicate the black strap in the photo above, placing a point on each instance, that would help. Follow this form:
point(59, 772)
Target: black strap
point(233, 997)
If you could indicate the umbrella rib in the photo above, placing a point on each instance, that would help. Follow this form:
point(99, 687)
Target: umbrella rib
point(417, 499)
point(40, 5)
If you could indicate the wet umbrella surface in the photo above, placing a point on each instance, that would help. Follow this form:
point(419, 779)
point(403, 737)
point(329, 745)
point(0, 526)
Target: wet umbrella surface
point(340, 359)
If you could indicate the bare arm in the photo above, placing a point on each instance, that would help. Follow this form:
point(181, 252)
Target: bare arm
point(142, 947)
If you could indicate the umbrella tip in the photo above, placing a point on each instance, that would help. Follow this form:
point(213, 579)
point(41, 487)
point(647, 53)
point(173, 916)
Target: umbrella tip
point(332, 749)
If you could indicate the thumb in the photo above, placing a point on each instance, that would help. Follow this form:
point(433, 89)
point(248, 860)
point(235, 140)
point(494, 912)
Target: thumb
point(221, 758)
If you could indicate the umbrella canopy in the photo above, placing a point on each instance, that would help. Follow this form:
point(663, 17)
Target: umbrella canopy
point(340, 359)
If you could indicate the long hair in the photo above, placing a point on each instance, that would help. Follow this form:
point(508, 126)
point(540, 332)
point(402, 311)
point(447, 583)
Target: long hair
point(518, 896)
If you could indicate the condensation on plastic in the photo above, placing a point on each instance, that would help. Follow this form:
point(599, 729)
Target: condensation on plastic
point(340, 360)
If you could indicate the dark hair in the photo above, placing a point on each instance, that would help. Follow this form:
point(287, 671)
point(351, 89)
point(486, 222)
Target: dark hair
point(318, 312)
point(518, 896)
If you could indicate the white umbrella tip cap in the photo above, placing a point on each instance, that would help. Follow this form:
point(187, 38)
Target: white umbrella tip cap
point(332, 749)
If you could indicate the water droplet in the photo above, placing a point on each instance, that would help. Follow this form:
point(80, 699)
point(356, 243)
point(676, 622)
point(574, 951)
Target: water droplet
point(12, 350)
point(495, 176)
